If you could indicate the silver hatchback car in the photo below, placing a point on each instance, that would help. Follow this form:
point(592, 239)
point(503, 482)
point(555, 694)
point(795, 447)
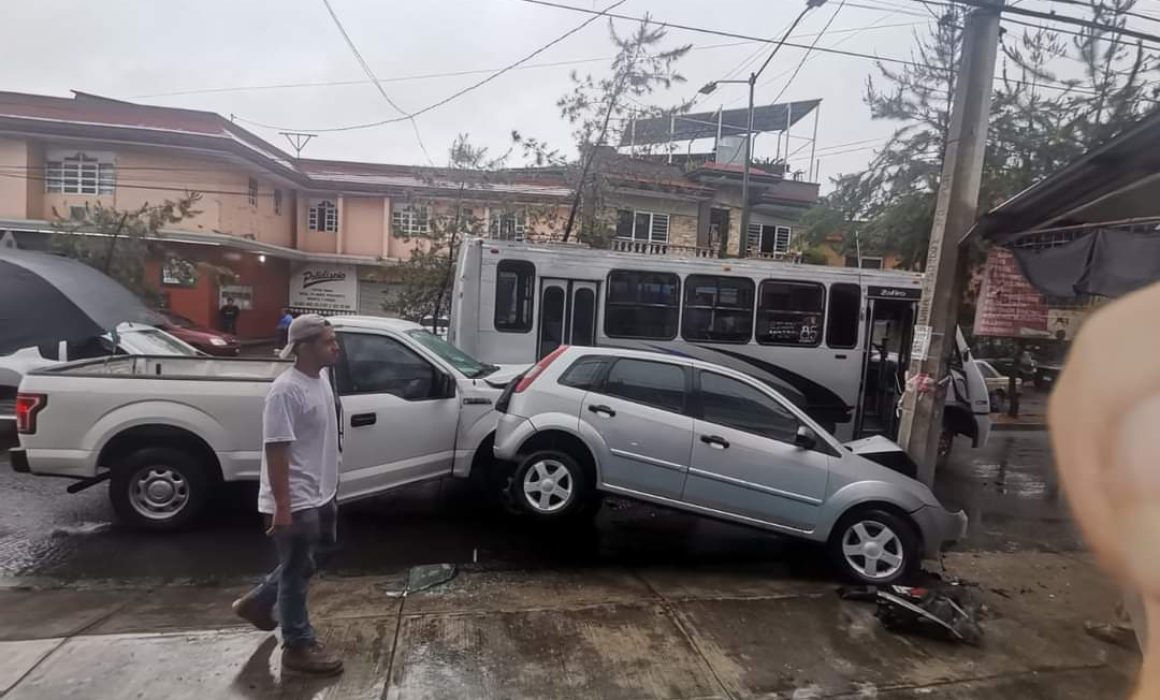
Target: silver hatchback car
point(709, 440)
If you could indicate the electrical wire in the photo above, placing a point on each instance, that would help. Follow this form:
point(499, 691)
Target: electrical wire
point(1126, 13)
point(378, 86)
point(480, 71)
point(1051, 16)
point(352, 127)
point(806, 56)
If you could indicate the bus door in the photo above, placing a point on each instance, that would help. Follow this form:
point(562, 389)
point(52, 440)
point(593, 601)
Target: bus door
point(889, 330)
point(567, 313)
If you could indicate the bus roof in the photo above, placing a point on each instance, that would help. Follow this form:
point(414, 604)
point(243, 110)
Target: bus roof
point(579, 253)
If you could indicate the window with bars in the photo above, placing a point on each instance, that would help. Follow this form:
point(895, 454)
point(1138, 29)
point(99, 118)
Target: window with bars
point(278, 202)
point(642, 226)
point(410, 220)
point(80, 173)
point(252, 191)
point(322, 216)
point(507, 225)
point(768, 239)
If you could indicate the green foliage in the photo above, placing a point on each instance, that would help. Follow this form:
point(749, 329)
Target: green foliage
point(118, 242)
point(1041, 119)
point(599, 108)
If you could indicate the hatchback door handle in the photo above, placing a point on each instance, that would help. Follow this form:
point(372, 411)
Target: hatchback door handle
point(716, 441)
point(597, 408)
point(359, 420)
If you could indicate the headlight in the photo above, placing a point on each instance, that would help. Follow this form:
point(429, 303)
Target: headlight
point(218, 342)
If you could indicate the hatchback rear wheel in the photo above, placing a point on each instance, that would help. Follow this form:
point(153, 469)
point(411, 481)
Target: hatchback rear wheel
point(552, 485)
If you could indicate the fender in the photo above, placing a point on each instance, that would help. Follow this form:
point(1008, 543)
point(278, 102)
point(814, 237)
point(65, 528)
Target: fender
point(168, 413)
point(471, 438)
point(847, 497)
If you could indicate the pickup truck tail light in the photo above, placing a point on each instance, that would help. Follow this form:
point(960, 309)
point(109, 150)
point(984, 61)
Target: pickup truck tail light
point(542, 365)
point(27, 408)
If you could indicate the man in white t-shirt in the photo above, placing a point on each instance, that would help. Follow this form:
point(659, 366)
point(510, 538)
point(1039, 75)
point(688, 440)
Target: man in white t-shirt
point(299, 482)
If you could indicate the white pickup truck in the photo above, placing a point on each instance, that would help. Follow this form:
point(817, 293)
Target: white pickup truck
point(165, 430)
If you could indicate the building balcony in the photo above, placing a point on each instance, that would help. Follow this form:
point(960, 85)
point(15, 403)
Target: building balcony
point(627, 245)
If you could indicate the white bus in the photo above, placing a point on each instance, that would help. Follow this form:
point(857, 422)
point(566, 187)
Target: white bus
point(834, 340)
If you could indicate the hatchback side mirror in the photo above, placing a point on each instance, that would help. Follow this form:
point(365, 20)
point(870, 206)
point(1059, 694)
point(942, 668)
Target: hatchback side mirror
point(805, 438)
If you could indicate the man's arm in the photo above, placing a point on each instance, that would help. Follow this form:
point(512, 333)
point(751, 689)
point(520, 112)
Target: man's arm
point(278, 472)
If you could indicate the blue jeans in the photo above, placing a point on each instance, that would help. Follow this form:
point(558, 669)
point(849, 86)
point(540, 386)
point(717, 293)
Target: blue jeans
point(312, 531)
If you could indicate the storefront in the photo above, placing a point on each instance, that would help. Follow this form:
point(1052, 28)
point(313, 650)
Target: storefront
point(338, 288)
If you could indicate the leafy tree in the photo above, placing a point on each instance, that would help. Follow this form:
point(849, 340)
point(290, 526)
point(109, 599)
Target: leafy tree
point(425, 279)
point(1041, 119)
point(119, 242)
point(598, 109)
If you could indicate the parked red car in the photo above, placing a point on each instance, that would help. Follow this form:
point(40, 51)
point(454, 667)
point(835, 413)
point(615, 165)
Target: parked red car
point(205, 339)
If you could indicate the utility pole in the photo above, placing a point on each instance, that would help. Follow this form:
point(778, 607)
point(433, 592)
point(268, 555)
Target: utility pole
point(743, 237)
point(955, 210)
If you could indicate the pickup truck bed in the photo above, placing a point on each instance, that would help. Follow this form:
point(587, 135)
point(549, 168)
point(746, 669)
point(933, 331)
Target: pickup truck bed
point(165, 430)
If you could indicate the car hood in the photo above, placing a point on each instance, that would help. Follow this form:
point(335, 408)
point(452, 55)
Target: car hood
point(872, 445)
point(504, 375)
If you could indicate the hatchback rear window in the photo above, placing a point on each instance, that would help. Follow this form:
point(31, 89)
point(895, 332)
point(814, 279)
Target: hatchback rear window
point(584, 373)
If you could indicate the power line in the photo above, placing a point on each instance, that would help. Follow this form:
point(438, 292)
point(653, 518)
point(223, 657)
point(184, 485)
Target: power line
point(378, 86)
point(479, 71)
point(806, 56)
point(1065, 19)
point(1127, 13)
point(596, 15)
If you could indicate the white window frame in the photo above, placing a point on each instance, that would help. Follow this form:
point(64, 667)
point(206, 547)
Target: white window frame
point(507, 224)
point(780, 244)
point(656, 220)
point(322, 215)
point(252, 191)
point(80, 172)
point(411, 220)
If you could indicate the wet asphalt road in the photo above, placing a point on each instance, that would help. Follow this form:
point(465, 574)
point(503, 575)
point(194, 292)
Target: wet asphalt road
point(1008, 490)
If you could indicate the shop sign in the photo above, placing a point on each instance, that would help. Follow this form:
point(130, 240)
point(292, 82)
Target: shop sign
point(326, 288)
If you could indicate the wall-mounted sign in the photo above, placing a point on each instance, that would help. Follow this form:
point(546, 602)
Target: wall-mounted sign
point(324, 287)
point(178, 272)
point(875, 292)
point(243, 295)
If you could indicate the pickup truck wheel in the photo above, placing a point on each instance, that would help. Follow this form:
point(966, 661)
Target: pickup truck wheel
point(874, 546)
point(552, 486)
point(158, 488)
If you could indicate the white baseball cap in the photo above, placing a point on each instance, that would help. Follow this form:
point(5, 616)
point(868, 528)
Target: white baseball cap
point(305, 327)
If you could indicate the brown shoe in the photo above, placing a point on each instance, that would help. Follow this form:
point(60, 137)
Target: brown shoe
point(312, 659)
point(257, 615)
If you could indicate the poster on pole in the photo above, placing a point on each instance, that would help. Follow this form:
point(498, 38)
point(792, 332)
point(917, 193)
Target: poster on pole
point(920, 348)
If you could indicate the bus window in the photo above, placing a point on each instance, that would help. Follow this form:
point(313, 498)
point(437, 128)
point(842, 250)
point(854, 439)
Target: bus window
point(842, 321)
point(642, 305)
point(790, 313)
point(514, 296)
point(718, 308)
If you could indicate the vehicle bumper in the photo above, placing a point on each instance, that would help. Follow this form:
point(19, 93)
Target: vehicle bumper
point(19, 461)
point(940, 528)
point(511, 432)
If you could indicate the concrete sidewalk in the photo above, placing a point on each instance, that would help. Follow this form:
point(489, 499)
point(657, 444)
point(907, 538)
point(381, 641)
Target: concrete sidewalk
point(592, 633)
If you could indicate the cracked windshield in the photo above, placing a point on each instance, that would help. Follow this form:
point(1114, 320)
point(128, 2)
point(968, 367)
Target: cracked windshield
point(580, 349)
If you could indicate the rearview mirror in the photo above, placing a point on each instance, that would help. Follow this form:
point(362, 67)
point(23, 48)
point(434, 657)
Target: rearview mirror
point(805, 438)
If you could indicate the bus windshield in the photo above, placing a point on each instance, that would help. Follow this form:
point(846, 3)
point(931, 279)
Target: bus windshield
point(468, 365)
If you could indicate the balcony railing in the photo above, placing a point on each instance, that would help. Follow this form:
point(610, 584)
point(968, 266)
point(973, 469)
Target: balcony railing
point(626, 245)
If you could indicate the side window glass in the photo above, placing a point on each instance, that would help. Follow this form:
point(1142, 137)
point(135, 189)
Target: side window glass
point(842, 321)
point(790, 313)
point(642, 305)
point(375, 364)
point(718, 308)
point(657, 384)
point(514, 295)
point(584, 372)
point(728, 402)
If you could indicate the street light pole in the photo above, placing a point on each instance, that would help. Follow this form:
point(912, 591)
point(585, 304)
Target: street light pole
point(743, 236)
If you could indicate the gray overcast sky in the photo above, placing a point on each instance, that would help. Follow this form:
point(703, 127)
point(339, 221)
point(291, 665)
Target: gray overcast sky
point(139, 49)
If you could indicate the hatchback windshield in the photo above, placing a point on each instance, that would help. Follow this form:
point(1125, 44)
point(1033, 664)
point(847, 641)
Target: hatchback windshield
point(460, 360)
